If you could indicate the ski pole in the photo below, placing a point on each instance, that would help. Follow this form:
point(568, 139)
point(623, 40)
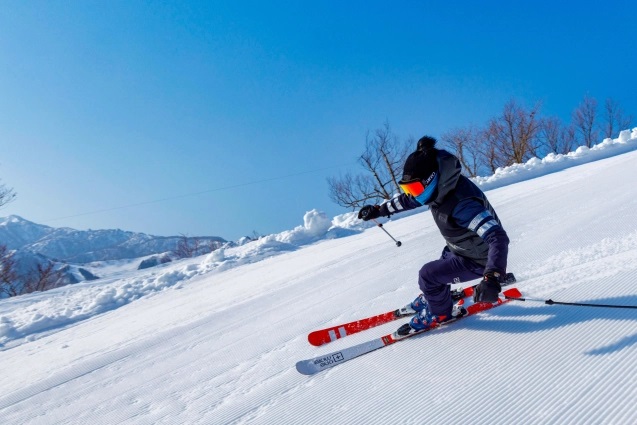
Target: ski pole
point(551, 302)
point(398, 243)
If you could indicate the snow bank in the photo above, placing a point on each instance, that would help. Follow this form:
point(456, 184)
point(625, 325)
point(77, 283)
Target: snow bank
point(536, 167)
point(71, 304)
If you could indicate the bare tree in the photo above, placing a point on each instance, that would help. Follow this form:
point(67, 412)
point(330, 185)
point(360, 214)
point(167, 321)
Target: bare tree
point(382, 159)
point(513, 136)
point(557, 138)
point(615, 120)
point(9, 284)
point(550, 132)
point(352, 191)
point(467, 146)
point(6, 194)
point(489, 150)
point(43, 278)
point(584, 118)
point(187, 247)
point(568, 139)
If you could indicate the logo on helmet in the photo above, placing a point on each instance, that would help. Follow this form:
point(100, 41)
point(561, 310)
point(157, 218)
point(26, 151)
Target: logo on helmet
point(429, 179)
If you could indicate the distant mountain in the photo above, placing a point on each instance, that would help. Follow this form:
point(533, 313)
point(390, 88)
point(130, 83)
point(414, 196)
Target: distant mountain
point(84, 246)
point(16, 232)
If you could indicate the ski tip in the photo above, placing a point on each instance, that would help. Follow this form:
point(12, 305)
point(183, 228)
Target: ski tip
point(316, 340)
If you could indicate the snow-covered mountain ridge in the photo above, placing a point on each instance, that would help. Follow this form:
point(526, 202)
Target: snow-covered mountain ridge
point(83, 246)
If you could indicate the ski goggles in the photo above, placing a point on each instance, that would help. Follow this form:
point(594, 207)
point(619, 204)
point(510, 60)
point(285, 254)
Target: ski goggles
point(415, 188)
point(420, 189)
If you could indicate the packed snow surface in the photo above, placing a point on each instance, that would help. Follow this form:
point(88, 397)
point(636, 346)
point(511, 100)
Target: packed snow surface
point(214, 339)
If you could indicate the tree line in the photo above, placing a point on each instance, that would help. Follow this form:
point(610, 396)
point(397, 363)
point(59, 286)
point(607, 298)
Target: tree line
point(516, 135)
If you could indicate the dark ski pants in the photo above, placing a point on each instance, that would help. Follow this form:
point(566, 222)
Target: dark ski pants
point(435, 277)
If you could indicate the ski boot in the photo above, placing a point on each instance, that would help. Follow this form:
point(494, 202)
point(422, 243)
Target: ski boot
point(421, 320)
point(413, 307)
point(424, 319)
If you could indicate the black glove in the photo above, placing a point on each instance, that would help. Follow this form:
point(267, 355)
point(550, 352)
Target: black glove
point(369, 212)
point(487, 291)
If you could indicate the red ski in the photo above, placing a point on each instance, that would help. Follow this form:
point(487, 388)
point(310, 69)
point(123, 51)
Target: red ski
point(326, 361)
point(323, 336)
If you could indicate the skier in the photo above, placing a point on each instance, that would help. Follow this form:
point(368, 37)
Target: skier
point(477, 245)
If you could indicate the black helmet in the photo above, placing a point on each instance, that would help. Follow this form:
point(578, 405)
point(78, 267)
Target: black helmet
point(426, 143)
point(422, 163)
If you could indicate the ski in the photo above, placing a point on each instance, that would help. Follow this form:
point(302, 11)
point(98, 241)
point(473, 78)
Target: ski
point(324, 336)
point(326, 361)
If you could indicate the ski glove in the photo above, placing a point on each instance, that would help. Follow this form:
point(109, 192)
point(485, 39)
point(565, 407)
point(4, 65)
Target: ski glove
point(488, 289)
point(369, 212)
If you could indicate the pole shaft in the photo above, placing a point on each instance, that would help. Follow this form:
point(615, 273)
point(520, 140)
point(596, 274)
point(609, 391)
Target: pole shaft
point(551, 302)
point(398, 243)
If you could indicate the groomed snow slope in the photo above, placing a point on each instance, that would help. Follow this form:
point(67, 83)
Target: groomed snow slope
point(220, 347)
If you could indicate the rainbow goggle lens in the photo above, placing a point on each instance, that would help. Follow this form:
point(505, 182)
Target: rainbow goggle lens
point(414, 188)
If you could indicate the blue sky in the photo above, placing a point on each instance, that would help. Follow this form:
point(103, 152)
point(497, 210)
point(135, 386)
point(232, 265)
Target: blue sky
point(226, 117)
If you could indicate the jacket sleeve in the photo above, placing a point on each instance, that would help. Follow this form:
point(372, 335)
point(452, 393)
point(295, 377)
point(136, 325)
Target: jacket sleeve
point(398, 203)
point(474, 216)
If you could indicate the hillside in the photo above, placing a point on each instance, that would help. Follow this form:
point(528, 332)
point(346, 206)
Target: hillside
point(214, 339)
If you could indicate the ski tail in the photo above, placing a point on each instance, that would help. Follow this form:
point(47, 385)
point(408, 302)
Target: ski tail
point(458, 294)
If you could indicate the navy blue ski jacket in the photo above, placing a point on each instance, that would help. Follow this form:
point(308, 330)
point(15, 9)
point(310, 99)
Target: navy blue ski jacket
point(465, 218)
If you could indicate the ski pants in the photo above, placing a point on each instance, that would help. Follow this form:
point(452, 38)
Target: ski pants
point(436, 276)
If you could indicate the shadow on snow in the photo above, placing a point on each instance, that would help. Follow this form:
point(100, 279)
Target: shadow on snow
point(559, 316)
